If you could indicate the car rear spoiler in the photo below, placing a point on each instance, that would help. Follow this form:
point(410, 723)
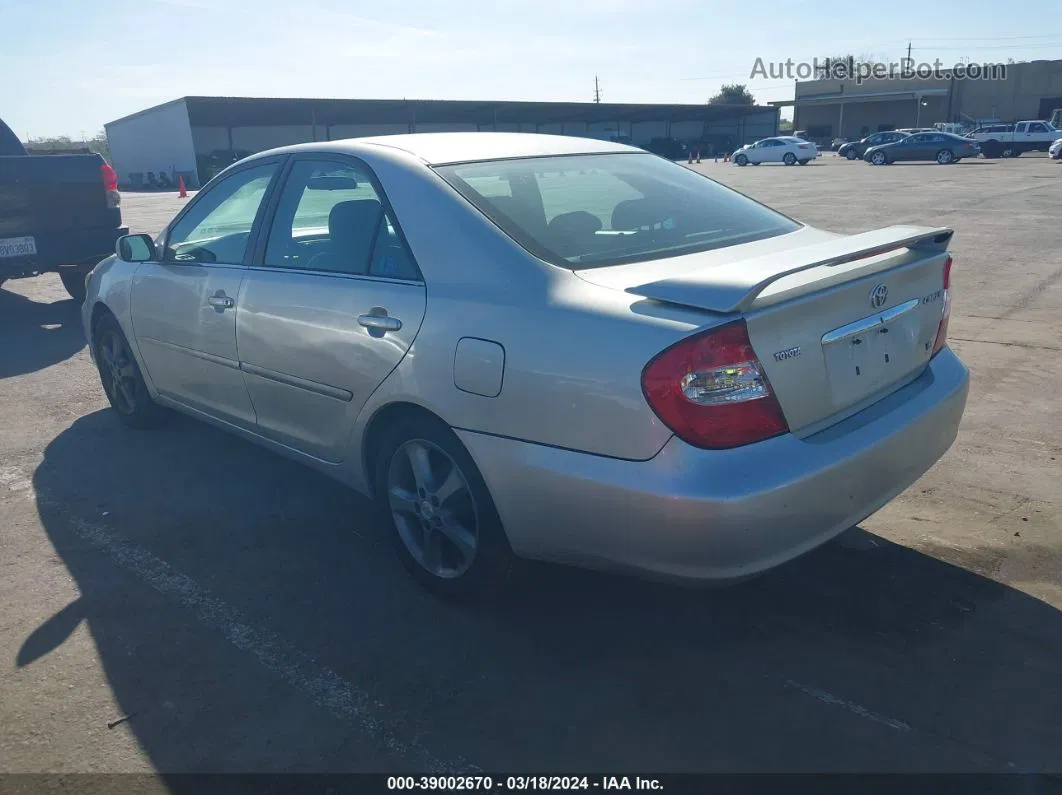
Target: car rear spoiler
point(733, 287)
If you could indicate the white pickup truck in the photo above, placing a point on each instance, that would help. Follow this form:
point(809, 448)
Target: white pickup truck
point(1010, 140)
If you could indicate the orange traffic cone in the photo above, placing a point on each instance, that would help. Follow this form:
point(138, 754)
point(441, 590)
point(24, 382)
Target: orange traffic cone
point(180, 188)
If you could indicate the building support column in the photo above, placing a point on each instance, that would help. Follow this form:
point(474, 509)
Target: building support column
point(840, 123)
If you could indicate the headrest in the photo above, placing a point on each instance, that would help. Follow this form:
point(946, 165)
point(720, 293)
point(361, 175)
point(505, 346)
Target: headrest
point(638, 213)
point(576, 223)
point(358, 216)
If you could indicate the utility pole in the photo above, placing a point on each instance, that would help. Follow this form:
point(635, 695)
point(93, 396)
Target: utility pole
point(908, 52)
point(597, 90)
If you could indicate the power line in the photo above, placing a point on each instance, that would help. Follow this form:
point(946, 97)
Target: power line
point(993, 38)
point(975, 47)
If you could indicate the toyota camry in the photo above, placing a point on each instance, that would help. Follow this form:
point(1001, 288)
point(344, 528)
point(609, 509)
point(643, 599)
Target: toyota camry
point(542, 347)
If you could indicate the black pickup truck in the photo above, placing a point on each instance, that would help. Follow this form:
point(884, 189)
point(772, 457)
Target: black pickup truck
point(58, 213)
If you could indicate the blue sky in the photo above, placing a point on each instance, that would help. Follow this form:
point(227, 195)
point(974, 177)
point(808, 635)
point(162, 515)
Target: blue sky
point(68, 66)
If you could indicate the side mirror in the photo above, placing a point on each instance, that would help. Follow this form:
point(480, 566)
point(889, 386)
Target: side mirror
point(135, 248)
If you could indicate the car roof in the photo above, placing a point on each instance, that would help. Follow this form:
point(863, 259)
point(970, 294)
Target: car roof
point(441, 148)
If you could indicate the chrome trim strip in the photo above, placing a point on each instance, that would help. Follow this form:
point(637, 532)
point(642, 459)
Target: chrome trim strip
point(299, 383)
point(858, 327)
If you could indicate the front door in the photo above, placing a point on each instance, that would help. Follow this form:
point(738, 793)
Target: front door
point(916, 147)
point(184, 306)
point(329, 308)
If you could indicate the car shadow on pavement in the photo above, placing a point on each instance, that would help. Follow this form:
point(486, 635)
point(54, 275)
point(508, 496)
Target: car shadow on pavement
point(249, 616)
point(37, 335)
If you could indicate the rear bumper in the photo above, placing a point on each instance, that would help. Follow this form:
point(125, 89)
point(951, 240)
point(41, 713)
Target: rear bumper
point(74, 248)
point(694, 514)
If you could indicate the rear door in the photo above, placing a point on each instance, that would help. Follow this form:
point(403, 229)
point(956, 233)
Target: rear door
point(331, 305)
point(184, 306)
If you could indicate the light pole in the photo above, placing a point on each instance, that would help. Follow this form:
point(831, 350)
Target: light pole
point(918, 111)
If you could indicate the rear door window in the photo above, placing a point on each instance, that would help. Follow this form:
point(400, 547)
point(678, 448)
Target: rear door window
point(330, 217)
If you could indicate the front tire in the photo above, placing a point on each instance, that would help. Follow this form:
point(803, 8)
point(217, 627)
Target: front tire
point(879, 159)
point(741, 160)
point(121, 377)
point(852, 154)
point(789, 158)
point(74, 282)
point(444, 525)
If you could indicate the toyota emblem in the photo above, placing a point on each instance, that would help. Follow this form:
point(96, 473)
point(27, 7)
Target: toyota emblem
point(878, 296)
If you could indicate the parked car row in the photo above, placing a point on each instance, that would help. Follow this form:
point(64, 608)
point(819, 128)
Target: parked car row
point(990, 141)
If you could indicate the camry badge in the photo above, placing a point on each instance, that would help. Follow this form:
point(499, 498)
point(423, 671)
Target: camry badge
point(878, 296)
point(788, 353)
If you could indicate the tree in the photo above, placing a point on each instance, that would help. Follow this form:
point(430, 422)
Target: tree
point(733, 94)
point(824, 67)
point(97, 143)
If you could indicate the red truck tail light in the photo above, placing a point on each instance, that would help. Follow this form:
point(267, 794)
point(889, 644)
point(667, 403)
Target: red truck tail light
point(109, 178)
point(942, 329)
point(712, 392)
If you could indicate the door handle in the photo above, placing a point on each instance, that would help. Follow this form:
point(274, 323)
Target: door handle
point(380, 322)
point(221, 302)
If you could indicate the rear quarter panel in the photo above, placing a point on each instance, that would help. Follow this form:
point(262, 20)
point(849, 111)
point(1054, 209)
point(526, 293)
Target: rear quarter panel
point(574, 352)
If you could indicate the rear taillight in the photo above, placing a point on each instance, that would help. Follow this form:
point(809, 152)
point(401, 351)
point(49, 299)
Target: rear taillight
point(712, 392)
point(109, 178)
point(942, 329)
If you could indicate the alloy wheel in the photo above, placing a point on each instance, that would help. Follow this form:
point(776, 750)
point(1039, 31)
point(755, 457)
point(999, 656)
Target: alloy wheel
point(433, 508)
point(119, 371)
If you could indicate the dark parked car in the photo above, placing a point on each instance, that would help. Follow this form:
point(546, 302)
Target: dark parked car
point(58, 213)
point(667, 147)
point(943, 148)
point(854, 150)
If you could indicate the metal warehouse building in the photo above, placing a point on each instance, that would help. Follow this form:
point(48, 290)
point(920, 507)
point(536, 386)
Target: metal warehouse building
point(827, 108)
point(194, 137)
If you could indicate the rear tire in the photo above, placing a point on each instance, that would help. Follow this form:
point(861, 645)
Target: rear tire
point(74, 282)
point(945, 157)
point(121, 377)
point(425, 481)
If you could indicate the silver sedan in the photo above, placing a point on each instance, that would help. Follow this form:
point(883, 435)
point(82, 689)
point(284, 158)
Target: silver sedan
point(534, 346)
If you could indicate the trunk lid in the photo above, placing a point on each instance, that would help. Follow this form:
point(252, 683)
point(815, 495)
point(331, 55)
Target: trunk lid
point(836, 322)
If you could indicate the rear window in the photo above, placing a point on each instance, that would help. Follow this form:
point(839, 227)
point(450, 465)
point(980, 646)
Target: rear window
point(590, 211)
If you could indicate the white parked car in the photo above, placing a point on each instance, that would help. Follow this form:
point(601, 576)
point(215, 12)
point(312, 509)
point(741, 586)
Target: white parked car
point(1056, 150)
point(787, 149)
